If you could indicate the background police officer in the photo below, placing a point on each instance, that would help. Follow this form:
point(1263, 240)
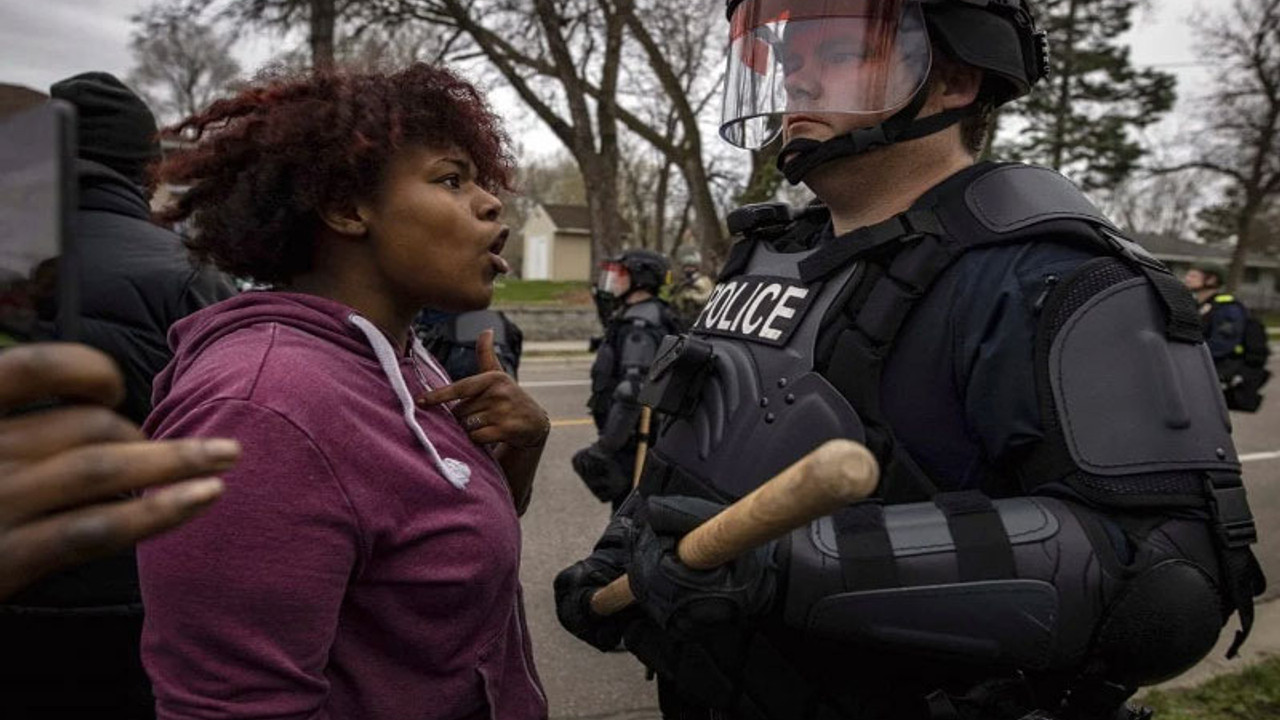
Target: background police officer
point(1237, 342)
point(691, 291)
point(1224, 315)
point(452, 337)
point(1060, 517)
point(635, 321)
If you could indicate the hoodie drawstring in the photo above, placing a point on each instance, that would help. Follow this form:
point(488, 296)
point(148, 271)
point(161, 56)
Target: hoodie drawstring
point(455, 471)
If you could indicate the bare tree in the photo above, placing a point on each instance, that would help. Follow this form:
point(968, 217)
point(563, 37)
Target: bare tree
point(643, 65)
point(654, 202)
point(548, 51)
point(1160, 204)
point(180, 66)
point(322, 18)
point(677, 46)
point(374, 48)
point(1241, 139)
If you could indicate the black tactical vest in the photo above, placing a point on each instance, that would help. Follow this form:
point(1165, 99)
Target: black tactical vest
point(762, 405)
point(793, 342)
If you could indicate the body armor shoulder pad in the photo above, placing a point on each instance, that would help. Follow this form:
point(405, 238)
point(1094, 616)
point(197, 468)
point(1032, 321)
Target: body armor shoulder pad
point(1013, 197)
point(467, 326)
point(648, 313)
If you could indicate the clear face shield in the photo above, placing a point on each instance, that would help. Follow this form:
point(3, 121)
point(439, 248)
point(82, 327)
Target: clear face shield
point(613, 280)
point(862, 57)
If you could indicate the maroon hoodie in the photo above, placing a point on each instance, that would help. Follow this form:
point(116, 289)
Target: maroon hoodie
point(363, 561)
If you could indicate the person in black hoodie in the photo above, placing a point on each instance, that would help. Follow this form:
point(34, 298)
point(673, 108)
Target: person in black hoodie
point(72, 641)
point(136, 277)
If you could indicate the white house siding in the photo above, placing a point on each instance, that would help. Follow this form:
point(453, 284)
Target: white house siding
point(539, 232)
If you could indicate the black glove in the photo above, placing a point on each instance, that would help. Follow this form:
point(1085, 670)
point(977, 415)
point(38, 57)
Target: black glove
point(689, 601)
point(603, 477)
point(575, 585)
point(705, 671)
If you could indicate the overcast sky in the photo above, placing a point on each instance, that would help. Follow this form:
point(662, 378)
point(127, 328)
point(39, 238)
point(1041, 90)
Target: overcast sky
point(43, 41)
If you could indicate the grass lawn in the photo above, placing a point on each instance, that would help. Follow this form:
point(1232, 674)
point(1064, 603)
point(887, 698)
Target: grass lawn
point(549, 292)
point(1252, 694)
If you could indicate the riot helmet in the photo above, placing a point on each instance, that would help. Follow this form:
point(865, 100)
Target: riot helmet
point(688, 255)
point(624, 274)
point(866, 57)
point(633, 270)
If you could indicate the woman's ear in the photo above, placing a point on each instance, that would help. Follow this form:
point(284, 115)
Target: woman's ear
point(347, 219)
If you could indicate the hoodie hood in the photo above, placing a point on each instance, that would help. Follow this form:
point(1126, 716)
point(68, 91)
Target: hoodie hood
point(326, 320)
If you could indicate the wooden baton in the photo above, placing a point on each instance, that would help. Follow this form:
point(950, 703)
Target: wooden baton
point(836, 473)
point(642, 447)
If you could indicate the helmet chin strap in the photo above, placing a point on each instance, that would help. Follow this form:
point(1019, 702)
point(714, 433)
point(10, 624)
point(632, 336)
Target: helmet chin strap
point(800, 156)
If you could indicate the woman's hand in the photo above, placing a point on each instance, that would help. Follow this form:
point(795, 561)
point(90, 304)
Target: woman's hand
point(64, 469)
point(491, 407)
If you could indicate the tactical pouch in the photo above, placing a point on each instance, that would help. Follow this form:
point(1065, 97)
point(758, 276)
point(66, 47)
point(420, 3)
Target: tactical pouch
point(677, 374)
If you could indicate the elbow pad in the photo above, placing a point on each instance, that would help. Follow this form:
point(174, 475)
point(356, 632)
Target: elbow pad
point(1030, 583)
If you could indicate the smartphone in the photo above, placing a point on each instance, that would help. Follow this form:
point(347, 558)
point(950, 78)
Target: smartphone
point(38, 293)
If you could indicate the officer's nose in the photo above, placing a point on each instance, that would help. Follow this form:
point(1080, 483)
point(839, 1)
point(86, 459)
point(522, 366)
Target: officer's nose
point(803, 87)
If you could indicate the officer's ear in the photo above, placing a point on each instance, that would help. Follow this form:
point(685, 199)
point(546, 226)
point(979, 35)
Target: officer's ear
point(956, 84)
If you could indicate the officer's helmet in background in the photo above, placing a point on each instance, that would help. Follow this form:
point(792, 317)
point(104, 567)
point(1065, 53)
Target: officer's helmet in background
point(1214, 274)
point(688, 256)
point(620, 276)
point(867, 57)
point(634, 270)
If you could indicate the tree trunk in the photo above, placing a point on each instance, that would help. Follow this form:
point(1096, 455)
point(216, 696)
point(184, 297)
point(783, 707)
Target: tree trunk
point(710, 234)
point(660, 208)
point(1058, 148)
point(607, 193)
point(1245, 224)
point(323, 18)
point(602, 204)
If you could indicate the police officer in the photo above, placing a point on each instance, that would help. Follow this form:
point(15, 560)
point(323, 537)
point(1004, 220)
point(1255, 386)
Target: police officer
point(635, 320)
point(1224, 316)
point(691, 292)
point(1237, 342)
point(452, 337)
point(1060, 518)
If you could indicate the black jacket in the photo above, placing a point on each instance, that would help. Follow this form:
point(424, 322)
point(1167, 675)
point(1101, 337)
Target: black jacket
point(73, 638)
point(136, 279)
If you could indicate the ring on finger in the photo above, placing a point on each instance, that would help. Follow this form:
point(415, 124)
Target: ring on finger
point(473, 422)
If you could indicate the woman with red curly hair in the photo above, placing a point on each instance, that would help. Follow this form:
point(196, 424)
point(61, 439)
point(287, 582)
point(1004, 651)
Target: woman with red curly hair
point(364, 560)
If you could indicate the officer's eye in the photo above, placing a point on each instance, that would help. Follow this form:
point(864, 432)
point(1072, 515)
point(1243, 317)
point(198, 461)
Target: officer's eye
point(791, 63)
point(452, 181)
point(841, 55)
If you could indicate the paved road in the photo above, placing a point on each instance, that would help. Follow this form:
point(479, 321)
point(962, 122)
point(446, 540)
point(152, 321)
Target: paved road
point(562, 524)
point(565, 520)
